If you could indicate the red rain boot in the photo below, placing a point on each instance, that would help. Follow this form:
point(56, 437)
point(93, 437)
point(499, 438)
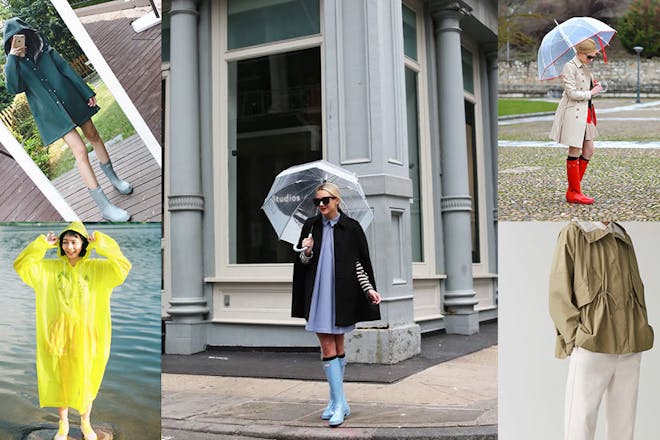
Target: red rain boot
point(583, 164)
point(573, 194)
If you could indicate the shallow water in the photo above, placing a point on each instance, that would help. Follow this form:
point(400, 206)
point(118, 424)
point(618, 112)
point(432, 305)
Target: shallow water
point(129, 398)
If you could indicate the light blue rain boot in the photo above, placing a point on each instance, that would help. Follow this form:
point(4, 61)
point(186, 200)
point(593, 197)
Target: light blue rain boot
point(327, 412)
point(109, 211)
point(120, 185)
point(333, 373)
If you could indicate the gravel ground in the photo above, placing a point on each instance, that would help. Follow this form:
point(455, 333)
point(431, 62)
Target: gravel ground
point(624, 182)
point(642, 131)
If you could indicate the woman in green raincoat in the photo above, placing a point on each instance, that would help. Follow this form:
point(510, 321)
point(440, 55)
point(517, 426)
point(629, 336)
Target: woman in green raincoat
point(60, 101)
point(73, 325)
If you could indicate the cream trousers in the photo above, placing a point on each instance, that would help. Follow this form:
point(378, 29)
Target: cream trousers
point(593, 377)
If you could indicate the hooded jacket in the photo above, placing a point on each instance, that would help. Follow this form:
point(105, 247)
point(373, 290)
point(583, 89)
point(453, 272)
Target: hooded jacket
point(73, 325)
point(596, 293)
point(350, 243)
point(56, 94)
point(570, 122)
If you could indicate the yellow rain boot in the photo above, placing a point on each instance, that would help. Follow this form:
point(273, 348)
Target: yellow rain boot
point(62, 430)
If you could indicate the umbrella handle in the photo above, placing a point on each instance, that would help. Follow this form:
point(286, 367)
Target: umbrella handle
point(302, 249)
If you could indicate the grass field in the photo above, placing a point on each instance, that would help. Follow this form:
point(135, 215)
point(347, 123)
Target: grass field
point(506, 107)
point(110, 122)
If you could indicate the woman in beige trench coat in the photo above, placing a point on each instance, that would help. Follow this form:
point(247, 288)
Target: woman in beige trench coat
point(575, 120)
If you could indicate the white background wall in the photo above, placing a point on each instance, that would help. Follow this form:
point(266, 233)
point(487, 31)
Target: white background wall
point(531, 379)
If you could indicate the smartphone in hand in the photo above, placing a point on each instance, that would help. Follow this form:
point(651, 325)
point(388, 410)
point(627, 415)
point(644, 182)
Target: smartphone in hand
point(18, 41)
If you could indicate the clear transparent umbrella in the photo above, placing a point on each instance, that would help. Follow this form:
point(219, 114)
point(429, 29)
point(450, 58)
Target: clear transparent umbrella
point(557, 47)
point(290, 200)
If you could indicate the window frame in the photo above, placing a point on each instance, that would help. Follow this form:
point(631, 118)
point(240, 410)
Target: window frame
point(224, 270)
point(480, 267)
point(426, 268)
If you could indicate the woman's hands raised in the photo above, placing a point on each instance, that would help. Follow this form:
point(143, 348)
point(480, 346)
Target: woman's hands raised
point(51, 238)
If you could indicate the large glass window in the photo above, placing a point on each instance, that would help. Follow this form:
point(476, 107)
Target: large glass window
point(468, 70)
point(409, 33)
point(252, 22)
point(274, 123)
point(413, 163)
point(472, 176)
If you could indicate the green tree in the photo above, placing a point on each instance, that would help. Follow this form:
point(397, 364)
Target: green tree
point(640, 26)
point(25, 131)
point(41, 15)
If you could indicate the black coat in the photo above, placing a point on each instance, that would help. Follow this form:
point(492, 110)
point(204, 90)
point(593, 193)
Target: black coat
point(351, 303)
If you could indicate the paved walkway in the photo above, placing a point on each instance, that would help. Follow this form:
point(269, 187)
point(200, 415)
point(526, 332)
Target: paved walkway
point(133, 162)
point(453, 400)
point(618, 120)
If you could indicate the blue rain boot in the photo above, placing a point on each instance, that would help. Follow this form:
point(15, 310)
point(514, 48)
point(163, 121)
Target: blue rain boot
point(327, 412)
point(333, 373)
point(120, 185)
point(109, 211)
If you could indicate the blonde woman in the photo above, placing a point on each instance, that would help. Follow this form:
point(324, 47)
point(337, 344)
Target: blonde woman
point(575, 120)
point(333, 288)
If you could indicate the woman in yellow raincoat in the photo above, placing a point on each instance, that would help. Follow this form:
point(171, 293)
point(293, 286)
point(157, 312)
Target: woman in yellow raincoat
point(73, 317)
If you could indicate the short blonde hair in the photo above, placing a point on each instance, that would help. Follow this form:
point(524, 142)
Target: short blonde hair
point(586, 46)
point(330, 188)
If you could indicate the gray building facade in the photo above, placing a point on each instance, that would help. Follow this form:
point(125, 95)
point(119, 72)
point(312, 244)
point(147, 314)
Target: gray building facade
point(403, 94)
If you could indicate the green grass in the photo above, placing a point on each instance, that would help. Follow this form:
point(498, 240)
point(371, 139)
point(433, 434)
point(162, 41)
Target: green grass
point(507, 107)
point(110, 121)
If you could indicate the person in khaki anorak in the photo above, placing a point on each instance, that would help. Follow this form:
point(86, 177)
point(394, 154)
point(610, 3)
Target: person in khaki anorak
point(598, 308)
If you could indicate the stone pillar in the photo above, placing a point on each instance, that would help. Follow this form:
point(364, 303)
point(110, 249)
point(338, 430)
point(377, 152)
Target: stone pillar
point(365, 126)
point(185, 333)
point(456, 204)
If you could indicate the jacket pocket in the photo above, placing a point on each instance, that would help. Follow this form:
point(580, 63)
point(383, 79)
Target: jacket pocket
point(642, 332)
point(583, 335)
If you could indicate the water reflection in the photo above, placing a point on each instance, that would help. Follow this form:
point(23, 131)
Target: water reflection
point(129, 398)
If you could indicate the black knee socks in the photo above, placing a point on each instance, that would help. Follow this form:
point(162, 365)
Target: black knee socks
point(328, 359)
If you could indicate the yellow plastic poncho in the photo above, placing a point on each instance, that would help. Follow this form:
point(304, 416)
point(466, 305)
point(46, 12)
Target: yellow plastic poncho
point(73, 323)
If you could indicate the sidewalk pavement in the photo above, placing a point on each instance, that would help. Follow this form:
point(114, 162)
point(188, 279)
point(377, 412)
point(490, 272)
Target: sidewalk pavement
point(456, 399)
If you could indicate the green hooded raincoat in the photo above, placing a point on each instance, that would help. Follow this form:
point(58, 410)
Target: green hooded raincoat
point(596, 293)
point(57, 96)
point(73, 323)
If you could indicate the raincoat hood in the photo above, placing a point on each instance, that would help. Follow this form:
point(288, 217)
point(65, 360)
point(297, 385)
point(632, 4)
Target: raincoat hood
point(594, 231)
point(33, 40)
point(78, 228)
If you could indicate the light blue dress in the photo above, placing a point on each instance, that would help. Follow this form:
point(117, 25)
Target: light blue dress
point(322, 310)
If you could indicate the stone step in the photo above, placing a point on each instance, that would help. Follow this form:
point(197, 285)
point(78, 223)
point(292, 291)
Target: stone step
point(103, 433)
